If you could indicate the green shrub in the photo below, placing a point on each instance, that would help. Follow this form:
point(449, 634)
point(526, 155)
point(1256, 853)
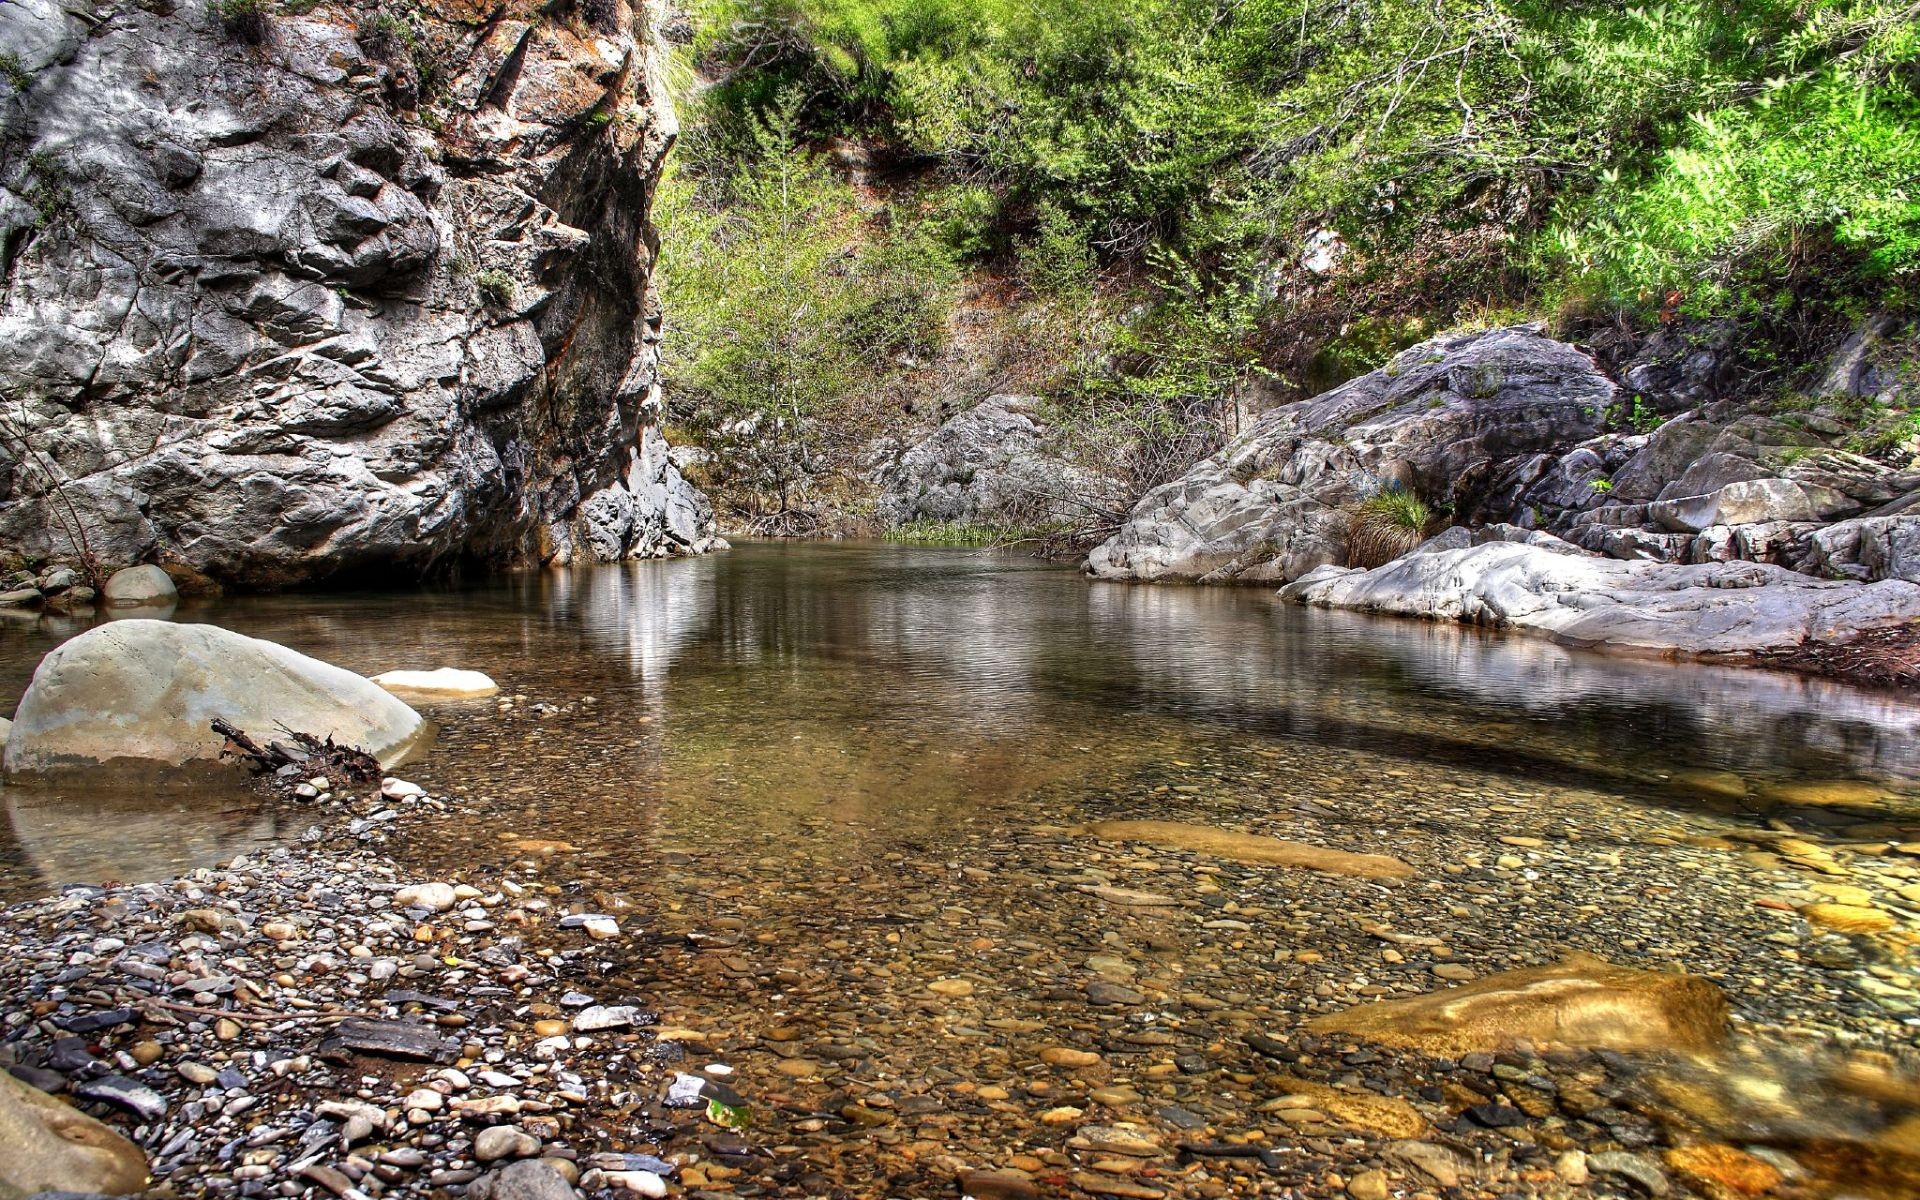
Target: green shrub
point(496, 286)
point(11, 70)
point(1385, 526)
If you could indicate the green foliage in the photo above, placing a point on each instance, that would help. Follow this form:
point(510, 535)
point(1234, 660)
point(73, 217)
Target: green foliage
point(1150, 173)
point(248, 21)
point(17, 76)
point(788, 308)
point(956, 533)
point(48, 189)
point(1385, 525)
point(496, 286)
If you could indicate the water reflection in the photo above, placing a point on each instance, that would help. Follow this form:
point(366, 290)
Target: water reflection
point(906, 682)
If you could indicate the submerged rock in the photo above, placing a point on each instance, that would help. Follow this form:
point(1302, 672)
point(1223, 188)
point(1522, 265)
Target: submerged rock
point(1252, 848)
point(136, 699)
point(1581, 1001)
point(52, 1147)
point(443, 683)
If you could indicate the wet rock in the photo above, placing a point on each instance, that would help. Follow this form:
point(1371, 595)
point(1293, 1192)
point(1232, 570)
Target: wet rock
point(999, 1185)
point(135, 699)
point(529, 1179)
point(129, 1094)
point(50, 1147)
point(1581, 1001)
point(388, 1039)
point(1719, 1171)
point(504, 1141)
point(443, 683)
point(1446, 1168)
point(146, 585)
point(1251, 848)
point(434, 897)
point(1637, 1169)
point(605, 1016)
point(1848, 918)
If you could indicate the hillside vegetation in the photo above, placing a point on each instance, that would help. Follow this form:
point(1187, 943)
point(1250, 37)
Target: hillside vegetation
point(1148, 210)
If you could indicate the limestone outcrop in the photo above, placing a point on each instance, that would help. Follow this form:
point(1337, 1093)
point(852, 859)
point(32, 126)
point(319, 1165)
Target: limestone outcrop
point(135, 700)
point(1446, 419)
point(1512, 427)
point(992, 464)
point(304, 291)
point(1731, 610)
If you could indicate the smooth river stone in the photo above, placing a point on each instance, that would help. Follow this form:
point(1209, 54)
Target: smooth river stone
point(1251, 848)
point(52, 1146)
point(444, 683)
point(1581, 1001)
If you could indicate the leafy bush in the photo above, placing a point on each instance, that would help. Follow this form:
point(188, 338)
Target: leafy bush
point(788, 311)
point(1385, 526)
point(11, 70)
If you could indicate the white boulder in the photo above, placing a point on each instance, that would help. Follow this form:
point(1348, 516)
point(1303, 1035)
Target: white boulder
point(137, 698)
point(1712, 610)
point(445, 683)
point(145, 585)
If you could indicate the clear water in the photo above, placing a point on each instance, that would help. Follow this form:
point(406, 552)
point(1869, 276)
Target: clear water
point(834, 794)
point(911, 687)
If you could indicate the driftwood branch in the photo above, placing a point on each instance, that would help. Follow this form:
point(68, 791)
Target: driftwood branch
point(305, 754)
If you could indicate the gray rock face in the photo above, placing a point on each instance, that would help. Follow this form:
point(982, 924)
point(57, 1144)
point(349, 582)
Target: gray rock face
point(989, 465)
point(270, 310)
point(1451, 419)
point(135, 700)
point(1710, 610)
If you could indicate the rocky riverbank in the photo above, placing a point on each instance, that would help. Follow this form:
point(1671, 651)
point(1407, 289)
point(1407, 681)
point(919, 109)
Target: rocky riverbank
point(312, 1019)
point(1363, 949)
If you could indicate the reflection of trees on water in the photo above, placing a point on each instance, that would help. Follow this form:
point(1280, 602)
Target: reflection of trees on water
point(951, 676)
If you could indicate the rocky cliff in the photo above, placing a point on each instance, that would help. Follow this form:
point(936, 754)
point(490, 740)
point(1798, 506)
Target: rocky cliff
point(1657, 460)
point(293, 290)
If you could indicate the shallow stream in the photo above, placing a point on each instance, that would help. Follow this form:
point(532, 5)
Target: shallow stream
point(837, 792)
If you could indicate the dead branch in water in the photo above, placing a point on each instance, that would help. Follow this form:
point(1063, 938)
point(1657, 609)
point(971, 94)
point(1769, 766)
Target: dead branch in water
point(284, 765)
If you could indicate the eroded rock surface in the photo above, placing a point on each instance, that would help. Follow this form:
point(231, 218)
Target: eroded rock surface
point(1440, 419)
point(1717, 610)
point(994, 465)
point(335, 289)
point(136, 699)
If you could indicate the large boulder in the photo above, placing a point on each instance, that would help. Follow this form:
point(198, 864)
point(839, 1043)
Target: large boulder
point(52, 1147)
point(135, 700)
point(275, 307)
point(1448, 419)
point(1716, 610)
point(993, 464)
